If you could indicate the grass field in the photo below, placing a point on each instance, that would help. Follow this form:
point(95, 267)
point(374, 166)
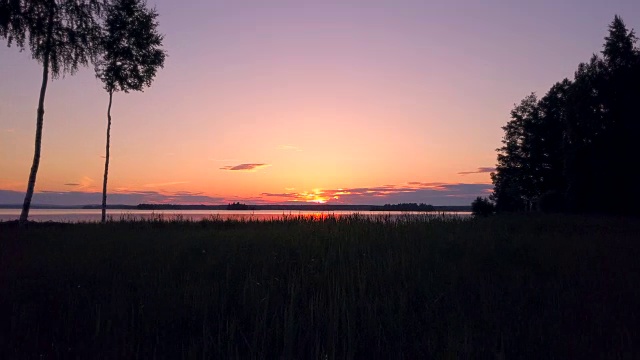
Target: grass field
point(535, 287)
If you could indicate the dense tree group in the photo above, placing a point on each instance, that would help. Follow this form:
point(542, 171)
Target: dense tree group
point(574, 148)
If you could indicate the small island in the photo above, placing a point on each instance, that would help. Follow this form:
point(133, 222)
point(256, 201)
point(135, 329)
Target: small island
point(239, 206)
point(404, 207)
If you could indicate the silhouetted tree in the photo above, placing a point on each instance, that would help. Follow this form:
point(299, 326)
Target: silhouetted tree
point(603, 127)
point(9, 21)
point(550, 134)
point(585, 126)
point(619, 47)
point(514, 179)
point(573, 148)
point(620, 99)
point(61, 35)
point(131, 55)
point(482, 207)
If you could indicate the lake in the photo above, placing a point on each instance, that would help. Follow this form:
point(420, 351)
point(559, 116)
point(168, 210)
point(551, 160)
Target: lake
point(93, 215)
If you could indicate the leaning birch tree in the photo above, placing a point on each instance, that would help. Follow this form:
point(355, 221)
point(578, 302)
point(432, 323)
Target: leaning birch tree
point(62, 36)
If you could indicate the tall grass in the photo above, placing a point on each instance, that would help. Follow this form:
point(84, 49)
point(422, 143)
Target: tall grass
point(323, 288)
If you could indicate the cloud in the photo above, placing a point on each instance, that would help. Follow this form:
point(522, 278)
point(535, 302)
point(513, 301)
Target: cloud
point(428, 185)
point(254, 200)
point(481, 170)
point(418, 192)
point(188, 193)
point(245, 167)
point(77, 198)
point(435, 193)
point(165, 184)
point(282, 195)
point(86, 183)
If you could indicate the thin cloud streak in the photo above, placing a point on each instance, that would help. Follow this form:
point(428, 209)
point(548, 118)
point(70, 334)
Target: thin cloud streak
point(86, 183)
point(78, 198)
point(165, 184)
point(481, 170)
point(245, 167)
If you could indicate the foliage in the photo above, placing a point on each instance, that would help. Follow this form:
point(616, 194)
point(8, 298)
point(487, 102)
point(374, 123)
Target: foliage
point(573, 148)
point(515, 188)
point(65, 32)
point(537, 287)
point(130, 56)
point(63, 36)
point(482, 207)
point(131, 52)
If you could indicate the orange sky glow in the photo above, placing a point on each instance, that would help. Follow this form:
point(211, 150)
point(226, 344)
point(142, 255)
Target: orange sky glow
point(302, 101)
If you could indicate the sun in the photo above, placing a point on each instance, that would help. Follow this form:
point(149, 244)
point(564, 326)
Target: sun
point(316, 196)
point(319, 200)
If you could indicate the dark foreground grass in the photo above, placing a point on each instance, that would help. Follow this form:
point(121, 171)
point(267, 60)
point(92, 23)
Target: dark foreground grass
point(536, 287)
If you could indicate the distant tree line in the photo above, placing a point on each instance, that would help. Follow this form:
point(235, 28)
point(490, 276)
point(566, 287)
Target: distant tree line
point(239, 206)
point(404, 207)
point(307, 207)
point(575, 149)
point(179, 207)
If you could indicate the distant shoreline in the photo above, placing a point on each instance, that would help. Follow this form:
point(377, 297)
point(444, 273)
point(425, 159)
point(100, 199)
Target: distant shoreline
point(288, 207)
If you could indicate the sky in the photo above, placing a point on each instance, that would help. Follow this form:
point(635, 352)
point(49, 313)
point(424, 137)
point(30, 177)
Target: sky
point(346, 102)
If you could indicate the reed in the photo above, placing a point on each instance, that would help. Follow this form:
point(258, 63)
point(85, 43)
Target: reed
point(321, 288)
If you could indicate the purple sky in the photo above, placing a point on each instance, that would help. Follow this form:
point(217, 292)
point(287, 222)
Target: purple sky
point(322, 95)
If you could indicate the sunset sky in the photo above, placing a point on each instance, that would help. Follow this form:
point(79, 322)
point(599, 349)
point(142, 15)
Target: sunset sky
point(358, 102)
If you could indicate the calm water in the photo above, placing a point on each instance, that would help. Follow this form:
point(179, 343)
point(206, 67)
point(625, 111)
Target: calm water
point(92, 215)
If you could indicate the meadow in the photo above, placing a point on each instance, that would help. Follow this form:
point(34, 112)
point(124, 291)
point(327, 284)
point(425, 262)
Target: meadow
point(520, 286)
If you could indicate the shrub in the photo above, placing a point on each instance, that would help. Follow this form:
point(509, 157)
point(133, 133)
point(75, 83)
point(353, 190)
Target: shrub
point(482, 207)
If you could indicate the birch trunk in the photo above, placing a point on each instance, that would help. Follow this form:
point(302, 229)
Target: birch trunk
point(106, 162)
point(24, 215)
